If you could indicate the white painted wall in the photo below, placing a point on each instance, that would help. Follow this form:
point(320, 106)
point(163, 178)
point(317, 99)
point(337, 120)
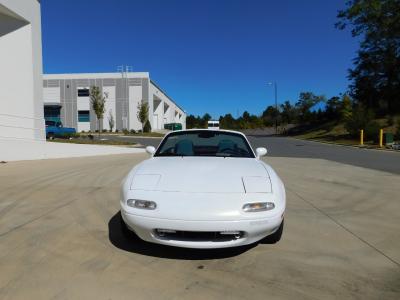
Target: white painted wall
point(135, 97)
point(109, 107)
point(158, 115)
point(184, 121)
point(51, 95)
point(171, 114)
point(21, 101)
point(83, 126)
point(158, 118)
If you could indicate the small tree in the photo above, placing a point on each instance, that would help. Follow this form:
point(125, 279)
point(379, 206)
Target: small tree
point(143, 113)
point(111, 121)
point(346, 109)
point(147, 126)
point(98, 102)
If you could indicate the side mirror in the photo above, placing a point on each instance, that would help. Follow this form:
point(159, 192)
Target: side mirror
point(261, 152)
point(150, 150)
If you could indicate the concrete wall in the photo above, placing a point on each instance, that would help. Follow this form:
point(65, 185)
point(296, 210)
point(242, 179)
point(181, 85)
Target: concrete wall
point(21, 105)
point(135, 97)
point(122, 97)
point(109, 107)
point(125, 92)
point(163, 110)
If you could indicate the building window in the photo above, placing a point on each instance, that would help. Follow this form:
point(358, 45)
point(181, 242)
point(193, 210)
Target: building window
point(83, 116)
point(83, 93)
point(52, 113)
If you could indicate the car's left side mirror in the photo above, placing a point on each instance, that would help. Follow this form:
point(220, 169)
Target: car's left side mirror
point(150, 150)
point(261, 152)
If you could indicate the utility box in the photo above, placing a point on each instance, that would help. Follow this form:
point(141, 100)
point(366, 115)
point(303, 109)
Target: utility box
point(173, 126)
point(388, 138)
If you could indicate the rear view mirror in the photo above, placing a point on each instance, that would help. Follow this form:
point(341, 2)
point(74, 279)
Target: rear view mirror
point(261, 152)
point(206, 134)
point(150, 150)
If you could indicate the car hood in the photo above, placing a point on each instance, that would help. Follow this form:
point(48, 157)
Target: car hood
point(202, 175)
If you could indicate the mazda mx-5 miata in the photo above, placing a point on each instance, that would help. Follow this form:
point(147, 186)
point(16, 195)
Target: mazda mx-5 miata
point(204, 189)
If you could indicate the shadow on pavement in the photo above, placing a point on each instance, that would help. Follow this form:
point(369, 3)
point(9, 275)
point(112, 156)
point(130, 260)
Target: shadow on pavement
point(131, 243)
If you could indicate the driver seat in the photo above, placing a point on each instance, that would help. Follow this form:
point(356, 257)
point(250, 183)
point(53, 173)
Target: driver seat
point(184, 147)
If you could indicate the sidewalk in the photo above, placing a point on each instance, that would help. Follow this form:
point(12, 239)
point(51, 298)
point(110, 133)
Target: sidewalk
point(13, 150)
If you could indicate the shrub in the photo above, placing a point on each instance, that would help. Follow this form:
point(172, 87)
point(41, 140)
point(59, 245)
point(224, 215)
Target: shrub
point(397, 134)
point(104, 130)
point(116, 130)
point(371, 131)
point(132, 131)
point(359, 119)
point(83, 131)
point(147, 126)
point(125, 131)
point(71, 135)
point(390, 121)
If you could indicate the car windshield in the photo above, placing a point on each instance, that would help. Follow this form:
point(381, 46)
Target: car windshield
point(205, 143)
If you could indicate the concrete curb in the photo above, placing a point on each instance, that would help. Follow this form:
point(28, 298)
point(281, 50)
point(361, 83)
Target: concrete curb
point(345, 145)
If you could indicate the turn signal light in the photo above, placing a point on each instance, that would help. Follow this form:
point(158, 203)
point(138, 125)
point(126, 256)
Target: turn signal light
point(142, 204)
point(258, 206)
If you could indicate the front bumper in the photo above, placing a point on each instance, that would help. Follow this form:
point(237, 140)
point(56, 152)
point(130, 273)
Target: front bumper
point(253, 230)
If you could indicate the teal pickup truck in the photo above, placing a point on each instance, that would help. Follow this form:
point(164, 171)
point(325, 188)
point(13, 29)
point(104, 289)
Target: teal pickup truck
point(57, 130)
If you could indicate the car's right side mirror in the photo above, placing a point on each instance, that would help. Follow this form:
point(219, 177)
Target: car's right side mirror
point(150, 150)
point(261, 152)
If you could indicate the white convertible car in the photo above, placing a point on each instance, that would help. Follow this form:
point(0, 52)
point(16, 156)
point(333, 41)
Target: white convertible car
point(204, 189)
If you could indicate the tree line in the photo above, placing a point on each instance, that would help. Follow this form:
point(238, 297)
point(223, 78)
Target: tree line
point(302, 112)
point(374, 91)
point(375, 76)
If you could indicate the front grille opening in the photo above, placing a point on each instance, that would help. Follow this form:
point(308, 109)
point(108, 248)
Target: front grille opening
point(198, 236)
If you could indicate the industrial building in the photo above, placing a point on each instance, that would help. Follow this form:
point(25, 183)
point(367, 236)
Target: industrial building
point(21, 105)
point(66, 98)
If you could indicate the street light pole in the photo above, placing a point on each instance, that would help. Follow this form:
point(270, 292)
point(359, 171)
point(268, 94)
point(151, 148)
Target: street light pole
point(276, 104)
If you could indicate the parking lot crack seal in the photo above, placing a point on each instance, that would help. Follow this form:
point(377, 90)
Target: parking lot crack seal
point(43, 215)
point(345, 228)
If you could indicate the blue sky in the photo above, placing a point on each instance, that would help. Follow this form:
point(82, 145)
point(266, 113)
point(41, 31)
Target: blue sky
point(209, 55)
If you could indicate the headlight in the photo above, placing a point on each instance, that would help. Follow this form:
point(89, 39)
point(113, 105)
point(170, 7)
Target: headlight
point(142, 204)
point(258, 206)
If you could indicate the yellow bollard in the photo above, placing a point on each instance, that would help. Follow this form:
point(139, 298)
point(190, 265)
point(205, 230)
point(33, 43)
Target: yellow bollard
point(362, 137)
point(381, 138)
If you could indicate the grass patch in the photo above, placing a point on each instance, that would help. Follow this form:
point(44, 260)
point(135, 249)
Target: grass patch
point(330, 132)
point(336, 133)
point(87, 141)
point(138, 134)
point(147, 134)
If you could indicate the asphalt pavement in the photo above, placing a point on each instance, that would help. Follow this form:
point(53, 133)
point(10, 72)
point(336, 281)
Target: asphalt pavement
point(60, 237)
point(388, 161)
